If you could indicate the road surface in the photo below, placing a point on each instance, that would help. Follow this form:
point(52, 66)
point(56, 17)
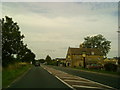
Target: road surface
point(100, 78)
point(76, 82)
point(37, 77)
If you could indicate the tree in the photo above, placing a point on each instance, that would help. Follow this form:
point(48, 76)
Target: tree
point(12, 43)
point(98, 42)
point(28, 56)
point(11, 40)
point(48, 59)
point(41, 60)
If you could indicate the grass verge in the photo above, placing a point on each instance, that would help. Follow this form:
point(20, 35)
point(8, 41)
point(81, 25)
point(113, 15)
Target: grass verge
point(10, 73)
point(98, 71)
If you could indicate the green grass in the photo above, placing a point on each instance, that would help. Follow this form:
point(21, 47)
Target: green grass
point(9, 74)
point(98, 71)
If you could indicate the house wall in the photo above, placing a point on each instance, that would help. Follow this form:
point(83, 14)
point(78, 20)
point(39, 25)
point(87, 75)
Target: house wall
point(94, 59)
point(77, 60)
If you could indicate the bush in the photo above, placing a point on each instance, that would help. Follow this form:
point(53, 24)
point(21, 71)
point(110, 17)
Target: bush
point(110, 67)
point(94, 66)
point(52, 63)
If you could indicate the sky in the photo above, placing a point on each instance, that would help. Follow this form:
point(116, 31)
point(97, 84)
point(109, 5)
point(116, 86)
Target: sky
point(51, 27)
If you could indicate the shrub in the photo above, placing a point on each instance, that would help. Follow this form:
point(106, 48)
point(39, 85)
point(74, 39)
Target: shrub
point(110, 67)
point(94, 66)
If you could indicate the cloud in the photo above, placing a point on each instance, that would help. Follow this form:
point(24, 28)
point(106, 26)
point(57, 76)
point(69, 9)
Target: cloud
point(60, 0)
point(49, 27)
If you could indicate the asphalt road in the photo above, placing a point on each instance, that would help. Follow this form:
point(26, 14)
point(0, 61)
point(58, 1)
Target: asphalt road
point(106, 80)
point(37, 77)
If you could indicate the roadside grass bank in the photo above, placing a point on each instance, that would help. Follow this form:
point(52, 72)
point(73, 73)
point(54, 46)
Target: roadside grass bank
point(10, 73)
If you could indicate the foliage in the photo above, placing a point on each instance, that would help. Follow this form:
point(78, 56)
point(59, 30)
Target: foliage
point(12, 43)
point(29, 56)
point(48, 59)
point(94, 66)
point(53, 63)
point(98, 42)
point(41, 60)
point(117, 58)
point(110, 67)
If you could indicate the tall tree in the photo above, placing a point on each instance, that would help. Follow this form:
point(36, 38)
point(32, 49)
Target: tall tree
point(12, 43)
point(98, 42)
point(48, 59)
point(11, 39)
point(28, 56)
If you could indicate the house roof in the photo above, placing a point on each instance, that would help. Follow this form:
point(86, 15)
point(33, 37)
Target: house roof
point(87, 51)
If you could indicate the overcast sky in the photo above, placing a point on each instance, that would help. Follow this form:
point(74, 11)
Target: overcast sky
point(50, 28)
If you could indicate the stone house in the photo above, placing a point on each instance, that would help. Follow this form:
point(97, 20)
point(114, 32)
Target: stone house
point(75, 58)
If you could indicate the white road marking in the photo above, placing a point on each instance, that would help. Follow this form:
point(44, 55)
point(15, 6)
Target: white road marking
point(70, 77)
point(78, 81)
point(47, 70)
point(50, 72)
point(65, 83)
point(77, 77)
point(86, 86)
point(98, 83)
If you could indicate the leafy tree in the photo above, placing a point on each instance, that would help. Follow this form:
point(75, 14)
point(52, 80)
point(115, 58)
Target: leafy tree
point(48, 59)
point(98, 42)
point(41, 60)
point(11, 40)
point(12, 43)
point(29, 56)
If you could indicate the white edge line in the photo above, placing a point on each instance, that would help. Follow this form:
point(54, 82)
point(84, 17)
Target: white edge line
point(61, 80)
point(65, 83)
point(47, 70)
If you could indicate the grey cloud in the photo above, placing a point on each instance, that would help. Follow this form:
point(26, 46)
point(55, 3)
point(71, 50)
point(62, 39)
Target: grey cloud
point(50, 28)
point(50, 50)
